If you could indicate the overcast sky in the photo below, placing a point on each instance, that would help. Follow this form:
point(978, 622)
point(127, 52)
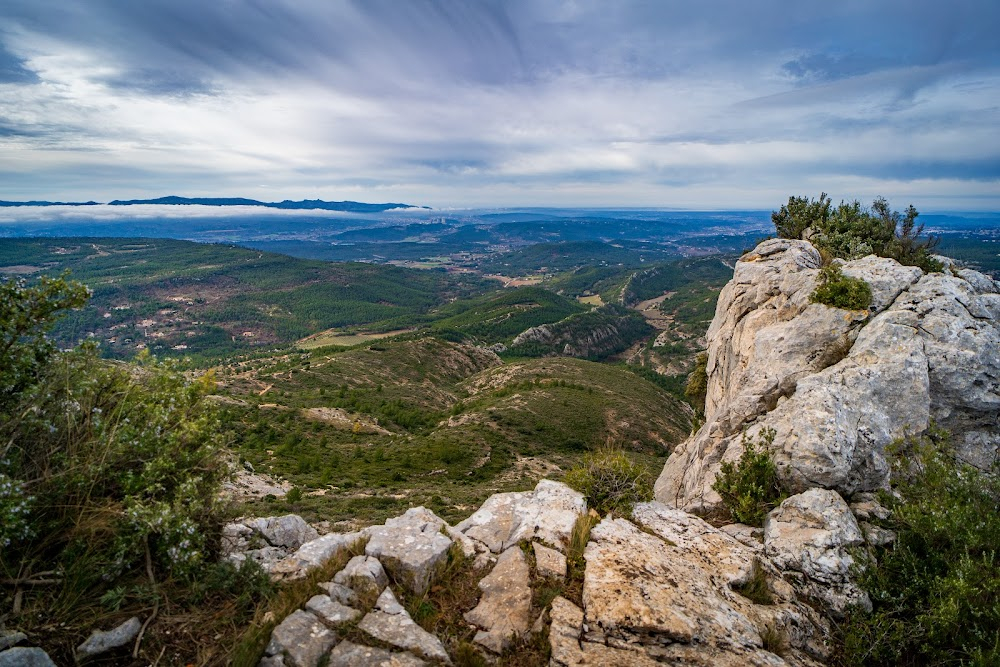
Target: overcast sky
point(673, 103)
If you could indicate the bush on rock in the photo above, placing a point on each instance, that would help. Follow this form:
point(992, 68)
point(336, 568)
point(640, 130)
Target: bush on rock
point(749, 487)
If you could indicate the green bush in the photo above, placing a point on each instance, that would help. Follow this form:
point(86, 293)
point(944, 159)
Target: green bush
point(611, 481)
point(851, 231)
point(936, 591)
point(750, 487)
point(109, 482)
point(696, 387)
point(840, 291)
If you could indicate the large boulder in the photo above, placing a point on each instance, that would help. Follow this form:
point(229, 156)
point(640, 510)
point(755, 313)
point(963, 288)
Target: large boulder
point(670, 590)
point(411, 547)
point(838, 386)
point(547, 513)
point(813, 533)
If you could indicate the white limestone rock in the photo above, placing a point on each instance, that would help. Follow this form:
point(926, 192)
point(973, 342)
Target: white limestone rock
point(390, 623)
point(504, 610)
point(547, 513)
point(288, 532)
point(349, 654)
point(671, 589)
point(929, 350)
point(102, 641)
point(411, 547)
point(301, 639)
point(813, 533)
point(549, 562)
point(330, 611)
point(24, 656)
point(311, 555)
point(364, 575)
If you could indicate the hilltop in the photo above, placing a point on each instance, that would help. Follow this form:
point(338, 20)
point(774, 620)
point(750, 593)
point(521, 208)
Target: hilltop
point(305, 204)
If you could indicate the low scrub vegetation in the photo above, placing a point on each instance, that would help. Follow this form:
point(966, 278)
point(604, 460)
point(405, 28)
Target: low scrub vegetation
point(840, 291)
point(750, 487)
point(936, 591)
point(851, 231)
point(611, 481)
point(696, 388)
point(109, 479)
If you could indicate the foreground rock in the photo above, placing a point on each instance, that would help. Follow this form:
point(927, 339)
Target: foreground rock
point(812, 534)
point(661, 588)
point(411, 547)
point(349, 654)
point(301, 639)
point(21, 656)
point(390, 623)
point(669, 592)
point(546, 513)
point(838, 386)
point(102, 641)
point(504, 610)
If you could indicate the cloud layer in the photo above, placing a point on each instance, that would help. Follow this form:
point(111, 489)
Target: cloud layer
point(519, 102)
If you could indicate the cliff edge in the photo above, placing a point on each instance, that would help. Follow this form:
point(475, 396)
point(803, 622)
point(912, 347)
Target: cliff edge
point(838, 386)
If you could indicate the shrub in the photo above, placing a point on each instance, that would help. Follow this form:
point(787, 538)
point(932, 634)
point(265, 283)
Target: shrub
point(840, 291)
point(851, 231)
point(611, 481)
point(750, 488)
point(799, 214)
point(697, 383)
point(109, 480)
point(936, 591)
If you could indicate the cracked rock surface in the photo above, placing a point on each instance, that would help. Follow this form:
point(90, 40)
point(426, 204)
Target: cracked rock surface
point(838, 386)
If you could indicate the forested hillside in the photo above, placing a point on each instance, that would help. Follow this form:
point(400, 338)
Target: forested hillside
point(178, 297)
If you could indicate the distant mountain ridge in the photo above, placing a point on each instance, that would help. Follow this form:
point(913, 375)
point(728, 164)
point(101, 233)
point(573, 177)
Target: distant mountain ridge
point(305, 204)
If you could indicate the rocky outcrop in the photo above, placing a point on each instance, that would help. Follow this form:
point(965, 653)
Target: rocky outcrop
point(662, 586)
point(837, 386)
point(547, 513)
point(813, 533)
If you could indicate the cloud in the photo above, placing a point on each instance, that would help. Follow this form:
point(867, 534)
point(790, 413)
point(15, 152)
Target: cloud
point(450, 102)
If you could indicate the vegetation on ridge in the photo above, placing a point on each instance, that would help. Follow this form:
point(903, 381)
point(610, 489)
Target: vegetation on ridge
point(750, 487)
point(851, 231)
point(935, 591)
point(109, 479)
point(840, 291)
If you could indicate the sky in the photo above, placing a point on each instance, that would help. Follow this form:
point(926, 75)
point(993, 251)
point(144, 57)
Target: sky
point(717, 104)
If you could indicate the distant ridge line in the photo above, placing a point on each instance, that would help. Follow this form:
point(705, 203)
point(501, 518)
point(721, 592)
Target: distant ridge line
point(288, 204)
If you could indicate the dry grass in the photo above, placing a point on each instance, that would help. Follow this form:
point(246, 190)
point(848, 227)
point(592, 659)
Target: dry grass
point(775, 640)
point(756, 588)
point(575, 563)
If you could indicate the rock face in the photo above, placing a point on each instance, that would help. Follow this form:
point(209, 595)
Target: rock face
point(670, 591)
point(812, 533)
point(504, 611)
point(547, 513)
point(837, 386)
